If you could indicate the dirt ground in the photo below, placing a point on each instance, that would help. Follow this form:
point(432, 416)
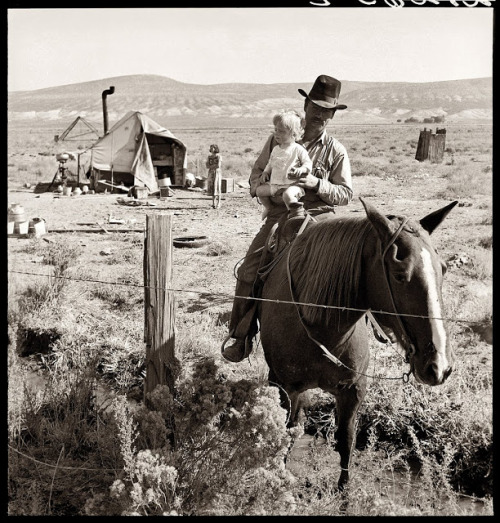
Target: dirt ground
point(239, 214)
point(238, 217)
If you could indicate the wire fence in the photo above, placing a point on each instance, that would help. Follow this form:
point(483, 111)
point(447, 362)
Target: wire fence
point(231, 297)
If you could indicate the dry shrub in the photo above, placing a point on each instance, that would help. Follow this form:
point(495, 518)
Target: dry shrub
point(218, 248)
point(230, 441)
point(481, 266)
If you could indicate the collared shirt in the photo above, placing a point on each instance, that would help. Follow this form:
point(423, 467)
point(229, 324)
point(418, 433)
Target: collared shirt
point(330, 164)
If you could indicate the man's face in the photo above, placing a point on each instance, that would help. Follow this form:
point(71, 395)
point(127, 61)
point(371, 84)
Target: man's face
point(317, 118)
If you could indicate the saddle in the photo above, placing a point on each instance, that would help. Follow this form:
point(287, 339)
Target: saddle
point(280, 239)
point(277, 244)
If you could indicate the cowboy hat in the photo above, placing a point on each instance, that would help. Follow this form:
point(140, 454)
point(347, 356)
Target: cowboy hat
point(325, 92)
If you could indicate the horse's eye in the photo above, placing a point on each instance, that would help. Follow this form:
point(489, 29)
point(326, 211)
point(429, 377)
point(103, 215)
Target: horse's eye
point(400, 277)
point(444, 267)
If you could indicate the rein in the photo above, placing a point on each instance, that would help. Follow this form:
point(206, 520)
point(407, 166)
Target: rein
point(410, 349)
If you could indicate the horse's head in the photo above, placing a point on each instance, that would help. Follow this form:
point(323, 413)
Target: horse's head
point(409, 289)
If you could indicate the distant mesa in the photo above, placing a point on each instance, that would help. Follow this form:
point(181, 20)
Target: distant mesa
point(384, 102)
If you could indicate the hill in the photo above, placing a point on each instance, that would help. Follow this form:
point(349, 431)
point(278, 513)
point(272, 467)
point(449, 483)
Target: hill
point(167, 100)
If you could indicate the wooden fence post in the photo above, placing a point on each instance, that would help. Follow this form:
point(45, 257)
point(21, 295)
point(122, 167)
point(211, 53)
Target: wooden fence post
point(436, 147)
point(423, 145)
point(431, 146)
point(159, 303)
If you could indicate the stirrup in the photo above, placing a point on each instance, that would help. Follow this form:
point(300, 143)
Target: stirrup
point(271, 241)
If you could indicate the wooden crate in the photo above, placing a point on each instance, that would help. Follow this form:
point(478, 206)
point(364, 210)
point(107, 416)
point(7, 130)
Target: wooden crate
point(165, 192)
point(227, 185)
point(141, 192)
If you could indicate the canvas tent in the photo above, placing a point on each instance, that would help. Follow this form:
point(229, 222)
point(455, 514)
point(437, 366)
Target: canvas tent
point(138, 151)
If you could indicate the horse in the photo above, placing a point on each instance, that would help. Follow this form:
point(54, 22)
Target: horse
point(334, 271)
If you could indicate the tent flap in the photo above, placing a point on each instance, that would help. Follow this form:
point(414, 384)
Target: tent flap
point(142, 166)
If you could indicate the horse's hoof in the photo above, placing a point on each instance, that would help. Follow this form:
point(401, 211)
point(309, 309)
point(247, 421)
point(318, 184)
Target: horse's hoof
point(235, 352)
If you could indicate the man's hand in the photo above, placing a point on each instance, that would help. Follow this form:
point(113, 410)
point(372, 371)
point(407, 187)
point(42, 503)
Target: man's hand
point(308, 182)
point(296, 172)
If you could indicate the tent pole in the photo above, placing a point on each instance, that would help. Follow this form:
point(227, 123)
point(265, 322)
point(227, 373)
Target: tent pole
point(112, 152)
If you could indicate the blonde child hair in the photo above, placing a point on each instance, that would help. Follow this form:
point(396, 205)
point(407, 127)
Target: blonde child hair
point(292, 121)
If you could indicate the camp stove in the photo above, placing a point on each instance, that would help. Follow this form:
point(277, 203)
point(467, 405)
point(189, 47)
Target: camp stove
point(61, 175)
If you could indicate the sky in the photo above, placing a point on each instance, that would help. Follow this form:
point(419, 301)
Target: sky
point(50, 47)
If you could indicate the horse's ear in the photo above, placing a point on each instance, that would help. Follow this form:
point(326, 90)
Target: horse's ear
point(431, 221)
point(384, 227)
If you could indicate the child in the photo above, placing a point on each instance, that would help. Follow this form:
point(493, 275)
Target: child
point(214, 165)
point(288, 162)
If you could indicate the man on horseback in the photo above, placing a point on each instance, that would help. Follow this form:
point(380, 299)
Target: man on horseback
point(327, 185)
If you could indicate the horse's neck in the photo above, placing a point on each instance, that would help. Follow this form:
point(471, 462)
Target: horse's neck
point(340, 329)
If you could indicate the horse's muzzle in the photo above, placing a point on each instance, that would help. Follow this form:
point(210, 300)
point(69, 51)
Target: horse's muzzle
point(436, 376)
point(434, 369)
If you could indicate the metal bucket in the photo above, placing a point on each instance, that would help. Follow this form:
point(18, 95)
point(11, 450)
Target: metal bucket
point(23, 227)
point(67, 191)
point(37, 227)
point(164, 182)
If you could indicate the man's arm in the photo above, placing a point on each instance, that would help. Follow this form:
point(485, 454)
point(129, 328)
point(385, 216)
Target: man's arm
point(336, 189)
point(260, 165)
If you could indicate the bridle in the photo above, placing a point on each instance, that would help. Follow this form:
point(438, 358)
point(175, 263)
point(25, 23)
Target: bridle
point(407, 344)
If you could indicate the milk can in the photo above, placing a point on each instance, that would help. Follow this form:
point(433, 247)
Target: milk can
point(16, 216)
point(16, 213)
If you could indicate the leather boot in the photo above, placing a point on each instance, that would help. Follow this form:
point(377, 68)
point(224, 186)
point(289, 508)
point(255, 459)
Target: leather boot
point(296, 210)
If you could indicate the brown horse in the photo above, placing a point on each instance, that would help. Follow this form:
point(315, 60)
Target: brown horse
point(383, 263)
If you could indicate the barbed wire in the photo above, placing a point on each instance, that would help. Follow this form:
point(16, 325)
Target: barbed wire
point(59, 466)
point(232, 296)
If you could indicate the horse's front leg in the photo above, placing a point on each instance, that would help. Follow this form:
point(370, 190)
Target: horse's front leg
point(348, 401)
point(289, 400)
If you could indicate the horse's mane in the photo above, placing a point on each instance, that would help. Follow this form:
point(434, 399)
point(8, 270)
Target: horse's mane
point(325, 264)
